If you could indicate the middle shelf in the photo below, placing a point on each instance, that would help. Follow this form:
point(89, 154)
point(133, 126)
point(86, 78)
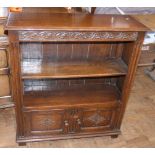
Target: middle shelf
point(37, 68)
point(78, 95)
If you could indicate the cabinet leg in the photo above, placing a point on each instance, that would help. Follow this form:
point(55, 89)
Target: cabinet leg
point(114, 136)
point(22, 144)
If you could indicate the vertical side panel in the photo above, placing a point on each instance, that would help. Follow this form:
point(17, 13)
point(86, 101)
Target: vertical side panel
point(132, 67)
point(16, 83)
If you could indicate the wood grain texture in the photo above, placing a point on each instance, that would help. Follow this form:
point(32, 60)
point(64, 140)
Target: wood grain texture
point(60, 62)
point(147, 20)
point(137, 127)
point(77, 22)
point(65, 97)
point(15, 80)
point(73, 69)
point(71, 60)
point(128, 82)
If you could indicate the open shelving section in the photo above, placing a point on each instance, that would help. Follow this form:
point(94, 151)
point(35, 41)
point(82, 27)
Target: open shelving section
point(72, 74)
point(71, 96)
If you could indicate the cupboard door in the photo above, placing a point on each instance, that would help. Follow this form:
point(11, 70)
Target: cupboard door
point(89, 120)
point(44, 122)
point(98, 119)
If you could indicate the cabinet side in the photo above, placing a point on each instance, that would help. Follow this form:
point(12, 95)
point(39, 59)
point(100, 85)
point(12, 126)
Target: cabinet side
point(16, 83)
point(133, 51)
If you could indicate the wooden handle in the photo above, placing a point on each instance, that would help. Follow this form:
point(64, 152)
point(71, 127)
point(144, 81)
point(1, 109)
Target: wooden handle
point(79, 121)
point(66, 123)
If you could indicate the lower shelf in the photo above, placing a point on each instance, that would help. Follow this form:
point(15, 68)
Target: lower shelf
point(67, 97)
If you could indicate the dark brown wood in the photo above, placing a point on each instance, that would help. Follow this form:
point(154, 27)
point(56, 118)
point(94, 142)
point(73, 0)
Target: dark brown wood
point(111, 67)
point(69, 136)
point(128, 82)
point(114, 136)
point(72, 74)
point(76, 22)
point(22, 144)
point(71, 121)
point(16, 80)
point(65, 97)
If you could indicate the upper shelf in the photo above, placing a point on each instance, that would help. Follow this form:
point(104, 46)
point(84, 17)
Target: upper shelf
point(71, 22)
point(32, 69)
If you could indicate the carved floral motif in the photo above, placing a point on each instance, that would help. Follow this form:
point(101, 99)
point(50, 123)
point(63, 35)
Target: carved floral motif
point(96, 118)
point(47, 122)
point(68, 35)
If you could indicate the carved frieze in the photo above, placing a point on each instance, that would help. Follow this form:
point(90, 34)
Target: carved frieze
point(75, 36)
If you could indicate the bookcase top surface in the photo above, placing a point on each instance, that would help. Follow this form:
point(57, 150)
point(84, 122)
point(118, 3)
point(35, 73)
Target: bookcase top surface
point(81, 22)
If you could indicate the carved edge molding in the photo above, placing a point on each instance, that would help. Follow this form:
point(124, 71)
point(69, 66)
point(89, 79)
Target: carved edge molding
point(74, 35)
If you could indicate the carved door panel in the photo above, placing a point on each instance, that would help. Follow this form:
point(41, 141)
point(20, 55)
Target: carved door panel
point(68, 121)
point(89, 120)
point(44, 123)
point(97, 119)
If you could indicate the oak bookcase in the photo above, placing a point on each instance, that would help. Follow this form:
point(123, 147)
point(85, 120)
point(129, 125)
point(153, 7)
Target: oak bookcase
point(71, 73)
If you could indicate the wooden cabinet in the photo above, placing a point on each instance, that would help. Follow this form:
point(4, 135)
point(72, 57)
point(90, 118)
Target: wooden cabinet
point(5, 93)
point(72, 74)
point(71, 121)
point(44, 122)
